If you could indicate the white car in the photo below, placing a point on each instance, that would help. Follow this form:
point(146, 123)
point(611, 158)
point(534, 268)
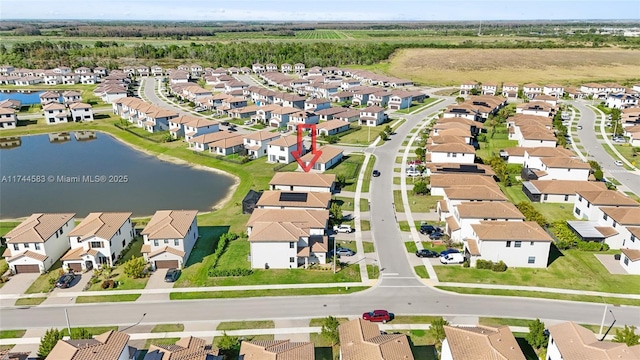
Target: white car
point(452, 258)
point(412, 173)
point(248, 122)
point(619, 140)
point(618, 163)
point(342, 228)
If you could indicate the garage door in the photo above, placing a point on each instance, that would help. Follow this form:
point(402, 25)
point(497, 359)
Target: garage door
point(165, 264)
point(76, 267)
point(21, 269)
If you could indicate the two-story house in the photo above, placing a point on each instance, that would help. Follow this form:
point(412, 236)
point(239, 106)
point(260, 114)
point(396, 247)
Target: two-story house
point(38, 242)
point(196, 126)
point(55, 113)
point(451, 153)
point(564, 168)
point(8, 118)
point(302, 118)
point(332, 127)
point(510, 90)
point(588, 203)
point(81, 111)
point(99, 239)
point(531, 90)
point(70, 96)
point(158, 120)
point(111, 345)
point(49, 97)
point(256, 143)
point(569, 340)
point(372, 116)
point(458, 226)
point(303, 181)
point(554, 90)
point(306, 200)
point(276, 350)
point(361, 339)
point(467, 87)
point(317, 104)
point(281, 150)
point(558, 191)
point(478, 342)
point(169, 238)
point(489, 88)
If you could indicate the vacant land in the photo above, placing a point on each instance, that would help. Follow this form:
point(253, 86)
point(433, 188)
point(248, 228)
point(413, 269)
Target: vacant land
point(572, 66)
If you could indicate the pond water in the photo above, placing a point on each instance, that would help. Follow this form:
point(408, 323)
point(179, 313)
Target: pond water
point(27, 98)
point(83, 172)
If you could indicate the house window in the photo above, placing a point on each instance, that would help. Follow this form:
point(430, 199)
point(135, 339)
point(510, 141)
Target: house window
point(588, 204)
point(176, 242)
point(123, 243)
point(577, 211)
point(15, 247)
point(633, 238)
point(454, 154)
point(292, 259)
point(546, 196)
point(614, 224)
point(95, 244)
point(508, 243)
point(566, 198)
point(579, 198)
point(518, 244)
point(166, 241)
point(26, 245)
point(36, 246)
point(604, 217)
point(532, 243)
point(626, 261)
point(292, 245)
point(531, 260)
point(155, 242)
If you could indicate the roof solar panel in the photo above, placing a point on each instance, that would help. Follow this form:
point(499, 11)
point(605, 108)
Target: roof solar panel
point(293, 196)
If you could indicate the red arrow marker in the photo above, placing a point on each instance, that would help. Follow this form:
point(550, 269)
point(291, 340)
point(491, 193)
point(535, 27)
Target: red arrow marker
point(300, 151)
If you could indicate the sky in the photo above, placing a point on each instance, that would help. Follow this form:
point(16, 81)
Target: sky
point(320, 10)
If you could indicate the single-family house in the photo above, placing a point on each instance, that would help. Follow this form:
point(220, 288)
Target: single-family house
point(100, 71)
point(330, 157)
point(588, 203)
point(8, 118)
point(279, 199)
point(27, 80)
point(330, 112)
point(298, 68)
point(380, 98)
point(400, 100)
point(351, 115)
point(466, 88)
point(570, 341)
point(142, 70)
point(633, 132)
point(630, 257)
point(256, 143)
point(332, 127)
point(316, 104)
point(302, 118)
point(81, 112)
point(463, 110)
point(458, 225)
point(281, 150)
point(98, 240)
point(196, 70)
point(480, 342)
point(69, 79)
point(258, 68)
point(158, 119)
point(489, 88)
point(188, 348)
point(372, 116)
point(440, 181)
point(169, 238)
point(55, 113)
point(111, 345)
point(361, 95)
point(564, 168)
point(558, 191)
point(531, 136)
point(538, 108)
point(630, 117)
point(49, 97)
point(531, 90)
point(157, 70)
point(516, 243)
point(342, 97)
point(51, 78)
point(203, 142)
point(510, 90)
point(361, 339)
point(196, 126)
point(287, 238)
point(179, 77)
point(554, 90)
point(227, 145)
point(286, 68)
point(451, 153)
point(277, 349)
point(303, 181)
point(622, 101)
point(38, 242)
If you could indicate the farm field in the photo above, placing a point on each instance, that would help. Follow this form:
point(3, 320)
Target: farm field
point(567, 66)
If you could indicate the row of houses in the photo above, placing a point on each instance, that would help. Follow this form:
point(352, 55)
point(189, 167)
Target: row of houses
point(533, 90)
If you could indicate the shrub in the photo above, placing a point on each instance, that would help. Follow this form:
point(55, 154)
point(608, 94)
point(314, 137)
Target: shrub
point(484, 264)
point(500, 266)
point(229, 272)
point(592, 246)
point(108, 284)
point(482, 137)
point(134, 268)
point(466, 264)
point(384, 136)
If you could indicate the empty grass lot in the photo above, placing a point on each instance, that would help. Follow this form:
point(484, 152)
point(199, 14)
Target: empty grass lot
point(30, 301)
point(587, 273)
point(417, 203)
point(551, 211)
point(161, 328)
point(107, 298)
point(365, 135)
point(350, 168)
point(239, 325)
point(492, 146)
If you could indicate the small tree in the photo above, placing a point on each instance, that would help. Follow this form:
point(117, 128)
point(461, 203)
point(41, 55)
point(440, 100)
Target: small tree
point(436, 330)
point(48, 341)
point(335, 213)
point(228, 344)
point(420, 188)
point(537, 336)
point(388, 130)
point(81, 333)
point(627, 335)
point(384, 136)
point(420, 152)
point(330, 329)
point(134, 268)
point(341, 180)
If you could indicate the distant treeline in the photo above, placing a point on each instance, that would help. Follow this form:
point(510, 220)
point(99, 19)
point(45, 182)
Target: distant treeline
point(46, 54)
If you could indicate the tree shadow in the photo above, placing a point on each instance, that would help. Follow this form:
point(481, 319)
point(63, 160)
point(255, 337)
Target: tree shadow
point(527, 350)
point(426, 352)
point(554, 254)
point(26, 122)
point(100, 116)
point(206, 243)
point(323, 353)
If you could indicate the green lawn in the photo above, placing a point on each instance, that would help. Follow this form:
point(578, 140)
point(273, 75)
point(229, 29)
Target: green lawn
point(161, 328)
point(323, 348)
point(373, 271)
point(542, 295)
point(417, 203)
point(414, 319)
point(239, 325)
point(500, 140)
point(345, 203)
point(421, 270)
point(30, 301)
point(96, 330)
point(6, 226)
point(45, 282)
point(417, 106)
point(124, 282)
point(163, 341)
point(368, 246)
point(573, 269)
point(422, 344)
point(107, 298)
point(318, 321)
point(365, 225)
point(363, 136)
point(350, 168)
point(551, 211)
point(264, 293)
point(626, 150)
point(490, 321)
point(404, 225)
point(514, 193)
point(398, 159)
point(366, 180)
point(11, 334)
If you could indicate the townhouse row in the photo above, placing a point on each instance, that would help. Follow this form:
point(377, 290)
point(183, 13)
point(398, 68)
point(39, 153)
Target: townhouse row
point(532, 90)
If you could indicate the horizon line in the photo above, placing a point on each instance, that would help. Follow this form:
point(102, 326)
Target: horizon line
point(323, 21)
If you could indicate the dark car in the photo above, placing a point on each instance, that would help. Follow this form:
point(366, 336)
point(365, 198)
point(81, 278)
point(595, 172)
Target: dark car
point(65, 281)
point(378, 316)
point(449, 251)
point(436, 235)
point(232, 128)
point(376, 173)
point(427, 253)
point(172, 275)
point(225, 123)
point(426, 229)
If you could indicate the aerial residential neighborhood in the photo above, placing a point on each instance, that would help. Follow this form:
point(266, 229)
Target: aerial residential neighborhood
point(295, 189)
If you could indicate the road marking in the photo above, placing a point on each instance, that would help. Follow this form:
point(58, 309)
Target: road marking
point(402, 286)
point(390, 274)
point(402, 277)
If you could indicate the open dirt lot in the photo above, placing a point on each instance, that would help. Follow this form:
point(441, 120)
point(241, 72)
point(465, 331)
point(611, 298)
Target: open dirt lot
point(566, 66)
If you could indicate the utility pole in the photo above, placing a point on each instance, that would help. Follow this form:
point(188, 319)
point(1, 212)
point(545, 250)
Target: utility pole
point(66, 315)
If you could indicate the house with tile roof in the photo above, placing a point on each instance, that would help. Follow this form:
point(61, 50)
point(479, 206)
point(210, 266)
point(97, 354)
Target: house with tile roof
point(517, 243)
point(588, 203)
point(480, 342)
point(531, 90)
point(554, 90)
point(71, 96)
point(458, 194)
point(55, 113)
point(112, 345)
point(467, 87)
point(38, 242)
point(558, 191)
point(227, 145)
point(630, 257)
point(332, 127)
point(288, 238)
point(169, 238)
point(276, 350)
point(256, 142)
point(302, 181)
point(451, 153)
point(361, 339)
point(372, 116)
point(458, 225)
point(570, 341)
point(279, 199)
point(81, 112)
point(281, 150)
point(489, 88)
point(98, 240)
point(49, 97)
point(188, 348)
point(8, 118)
point(330, 157)
point(537, 108)
point(563, 168)
point(158, 119)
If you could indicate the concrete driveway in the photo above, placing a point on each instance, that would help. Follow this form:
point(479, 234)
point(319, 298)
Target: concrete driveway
point(156, 281)
point(78, 283)
point(18, 283)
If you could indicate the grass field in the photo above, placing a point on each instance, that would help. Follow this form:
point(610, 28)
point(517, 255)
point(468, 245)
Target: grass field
point(160, 328)
point(565, 66)
point(30, 301)
point(238, 325)
point(263, 293)
point(107, 298)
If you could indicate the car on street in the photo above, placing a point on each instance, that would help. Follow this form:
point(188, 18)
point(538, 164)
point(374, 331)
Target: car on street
point(65, 280)
point(426, 229)
point(452, 258)
point(232, 127)
point(172, 275)
point(378, 316)
point(225, 123)
point(448, 251)
point(579, 127)
point(376, 173)
point(436, 235)
point(199, 109)
point(618, 163)
point(248, 122)
point(427, 253)
point(342, 228)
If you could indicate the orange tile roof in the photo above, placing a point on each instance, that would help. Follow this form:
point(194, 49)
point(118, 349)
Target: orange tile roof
point(578, 343)
point(510, 230)
point(101, 224)
point(169, 224)
point(482, 342)
point(38, 227)
point(361, 340)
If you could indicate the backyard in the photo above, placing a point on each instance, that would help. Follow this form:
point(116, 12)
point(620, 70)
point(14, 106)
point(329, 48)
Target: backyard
point(349, 167)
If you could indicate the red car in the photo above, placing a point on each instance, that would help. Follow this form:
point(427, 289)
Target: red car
point(378, 316)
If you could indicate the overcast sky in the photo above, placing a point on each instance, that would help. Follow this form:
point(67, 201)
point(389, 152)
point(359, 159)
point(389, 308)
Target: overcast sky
point(309, 10)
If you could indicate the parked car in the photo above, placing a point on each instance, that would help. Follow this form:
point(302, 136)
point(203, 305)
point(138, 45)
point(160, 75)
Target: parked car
point(65, 281)
point(342, 228)
point(376, 173)
point(448, 251)
point(232, 128)
point(426, 229)
point(172, 275)
point(412, 173)
point(342, 252)
point(427, 253)
point(378, 316)
point(248, 122)
point(618, 163)
point(579, 127)
point(619, 140)
point(199, 109)
point(452, 258)
point(225, 123)
point(436, 235)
